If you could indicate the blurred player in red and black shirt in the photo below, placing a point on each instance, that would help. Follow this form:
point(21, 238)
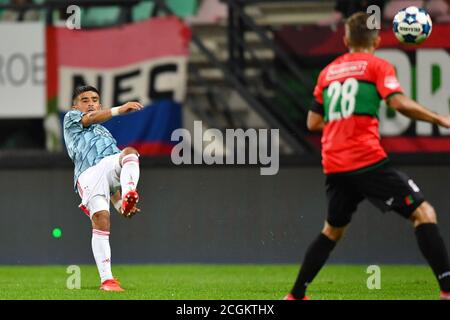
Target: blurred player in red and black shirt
point(346, 102)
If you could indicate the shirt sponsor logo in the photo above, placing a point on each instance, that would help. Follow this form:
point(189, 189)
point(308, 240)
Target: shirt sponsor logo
point(346, 69)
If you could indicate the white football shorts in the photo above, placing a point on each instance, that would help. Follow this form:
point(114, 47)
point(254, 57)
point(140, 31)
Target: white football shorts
point(96, 185)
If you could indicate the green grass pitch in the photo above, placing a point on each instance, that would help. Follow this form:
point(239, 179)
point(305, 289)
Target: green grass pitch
point(218, 282)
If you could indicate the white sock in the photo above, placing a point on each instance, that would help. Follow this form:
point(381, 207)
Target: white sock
point(102, 253)
point(129, 176)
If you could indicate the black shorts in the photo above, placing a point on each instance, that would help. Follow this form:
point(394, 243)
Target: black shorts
point(385, 187)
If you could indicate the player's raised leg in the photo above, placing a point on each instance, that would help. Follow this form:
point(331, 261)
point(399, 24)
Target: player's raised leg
point(102, 250)
point(432, 245)
point(129, 178)
point(315, 258)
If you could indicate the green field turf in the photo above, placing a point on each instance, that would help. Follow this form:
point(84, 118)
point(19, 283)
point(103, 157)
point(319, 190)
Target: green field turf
point(218, 282)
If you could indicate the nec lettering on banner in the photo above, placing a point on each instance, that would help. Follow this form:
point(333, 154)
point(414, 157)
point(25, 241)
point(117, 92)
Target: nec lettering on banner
point(22, 70)
point(147, 81)
point(135, 62)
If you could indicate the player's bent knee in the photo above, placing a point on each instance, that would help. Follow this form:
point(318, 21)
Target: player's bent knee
point(425, 213)
point(101, 221)
point(333, 233)
point(129, 150)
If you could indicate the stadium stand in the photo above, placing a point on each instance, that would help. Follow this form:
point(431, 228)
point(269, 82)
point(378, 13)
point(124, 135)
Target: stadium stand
point(100, 16)
point(20, 15)
point(214, 34)
point(142, 11)
point(183, 8)
point(439, 10)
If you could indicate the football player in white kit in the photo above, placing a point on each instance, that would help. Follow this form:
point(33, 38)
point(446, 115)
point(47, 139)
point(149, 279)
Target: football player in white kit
point(103, 172)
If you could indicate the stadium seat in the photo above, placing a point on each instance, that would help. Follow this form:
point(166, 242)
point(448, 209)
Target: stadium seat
point(3, 2)
point(439, 10)
point(392, 7)
point(30, 14)
point(142, 11)
point(209, 12)
point(183, 8)
point(42, 12)
point(100, 16)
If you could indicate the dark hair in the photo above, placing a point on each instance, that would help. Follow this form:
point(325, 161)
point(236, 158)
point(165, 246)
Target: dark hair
point(79, 90)
point(359, 35)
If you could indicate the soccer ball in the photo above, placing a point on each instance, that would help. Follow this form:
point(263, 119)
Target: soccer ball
point(412, 25)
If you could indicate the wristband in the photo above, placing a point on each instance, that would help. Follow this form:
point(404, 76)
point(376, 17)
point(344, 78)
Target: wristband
point(115, 111)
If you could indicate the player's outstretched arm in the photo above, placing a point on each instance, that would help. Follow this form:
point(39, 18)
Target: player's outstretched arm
point(414, 110)
point(315, 121)
point(100, 116)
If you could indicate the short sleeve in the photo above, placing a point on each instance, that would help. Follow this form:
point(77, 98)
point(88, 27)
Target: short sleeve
point(317, 105)
point(72, 121)
point(386, 81)
point(318, 89)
